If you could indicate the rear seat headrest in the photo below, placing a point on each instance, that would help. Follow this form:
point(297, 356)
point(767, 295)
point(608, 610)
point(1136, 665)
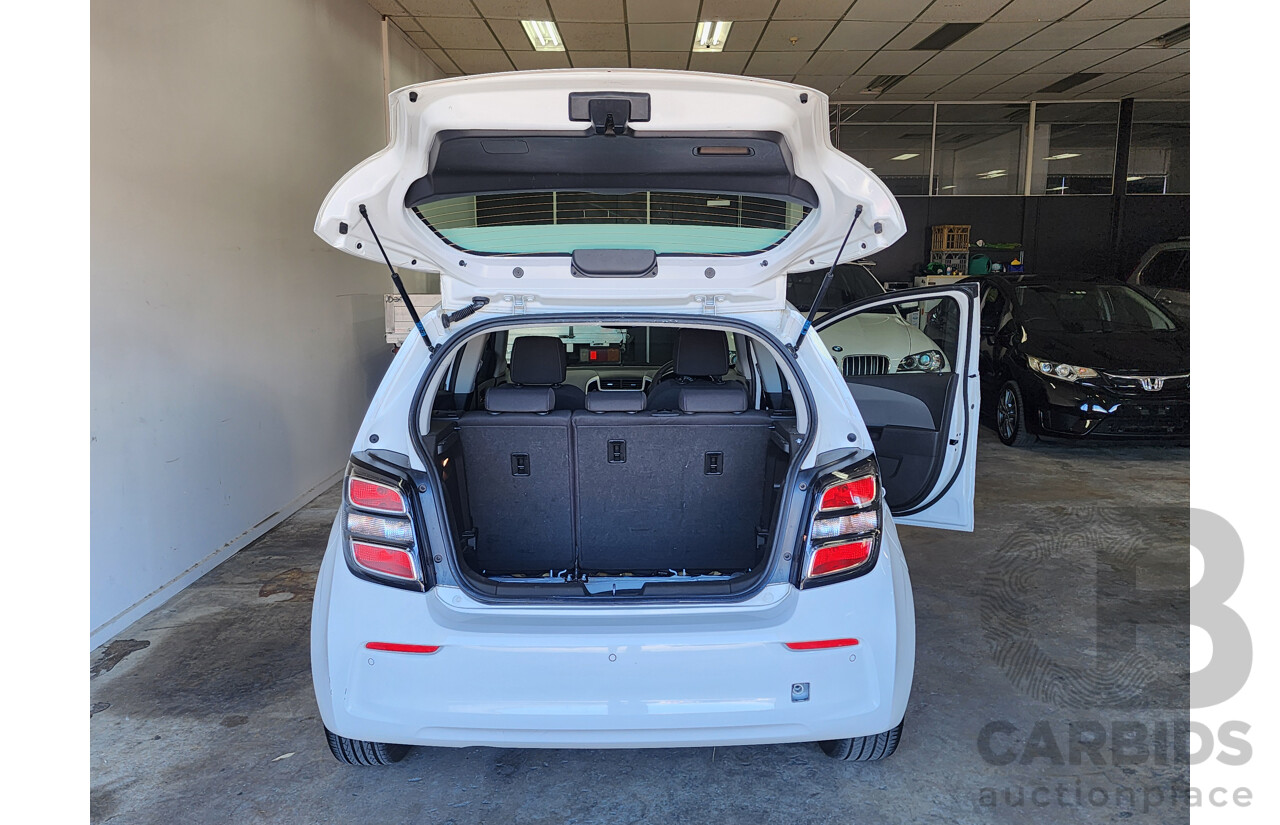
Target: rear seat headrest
point(538, 360)
point(616, 400)
point(701, 352)
point(520, 399)
point(730, 398)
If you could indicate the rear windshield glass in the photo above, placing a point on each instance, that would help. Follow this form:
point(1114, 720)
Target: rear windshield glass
point(682, 223)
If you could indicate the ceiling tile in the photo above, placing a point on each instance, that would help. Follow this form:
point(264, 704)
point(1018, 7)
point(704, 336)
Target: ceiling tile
point(809, 35)
point(514, 9)
point(1066, 34)
point(922, 84)
point(743, 36)
point(826, 62)
point(776, 63)
point(1180, 62)
point(594, 36)
point(1025, 84)
point(1170, 8)
point(1078, 60)
point(407, 23)
point(912, 34)
point(1031, 11)
point(736, 10)
point(476, 61)
point(387, 7)
point(423, 40)
point(1132, 33)
point(893, 11)
point(598, 60)
point(442, 61)
point(823, 83)
point(1132, 84)
point(974, 83)
point(440, 8)
point(1015, 61)
point(854, 35)
point(1111, 9)
point(539, 60)
point(887, 62)
point(511, 35)
point(955, 63)
point(722, 62)
point(659, 60)
point(1134, 60)
point(662, 11)
point(662, 37)
point(1181, 87)
point(994, 37)
point(459, 33)
point(961, 11)
point(811, 9)
point(588, 11)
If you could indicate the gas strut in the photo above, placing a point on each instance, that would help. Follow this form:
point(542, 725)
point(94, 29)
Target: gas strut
point(395, 279)
point(826, 282)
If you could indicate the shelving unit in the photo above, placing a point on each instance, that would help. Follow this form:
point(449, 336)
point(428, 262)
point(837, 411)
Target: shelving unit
point(950, 247)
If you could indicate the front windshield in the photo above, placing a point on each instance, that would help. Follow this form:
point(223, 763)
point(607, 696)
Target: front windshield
point(1088, 308)
point(592, 345)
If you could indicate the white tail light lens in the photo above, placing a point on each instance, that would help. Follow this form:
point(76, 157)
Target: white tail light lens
point(852, 524)
point(396, 530)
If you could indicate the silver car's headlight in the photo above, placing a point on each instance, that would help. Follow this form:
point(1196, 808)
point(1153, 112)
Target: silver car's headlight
point(927, 361)
point(1066, 372)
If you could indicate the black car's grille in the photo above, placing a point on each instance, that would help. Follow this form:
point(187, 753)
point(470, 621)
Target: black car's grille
point(1148, 384)
point(1147, 419)
point(858, 365)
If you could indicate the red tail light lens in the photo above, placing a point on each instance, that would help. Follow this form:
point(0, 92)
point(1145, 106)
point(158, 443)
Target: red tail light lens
point(856, 493)
point(370, 495)
point(388, 561)
point(824, 644)
point(838, 558)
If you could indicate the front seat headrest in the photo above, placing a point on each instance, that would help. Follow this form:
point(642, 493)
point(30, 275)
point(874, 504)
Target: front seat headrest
point(701, 352)
point(537, 360)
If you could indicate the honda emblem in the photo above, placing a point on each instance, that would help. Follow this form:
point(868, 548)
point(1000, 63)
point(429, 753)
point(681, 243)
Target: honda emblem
point(1152, 384)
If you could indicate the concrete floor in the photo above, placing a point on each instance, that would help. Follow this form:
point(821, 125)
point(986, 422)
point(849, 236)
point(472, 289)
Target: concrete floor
point(1060, 623)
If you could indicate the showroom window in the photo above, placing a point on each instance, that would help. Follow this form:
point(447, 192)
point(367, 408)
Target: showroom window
point(892, 139)
point(1160, 148)
point(1075, 148)
point(980, 149)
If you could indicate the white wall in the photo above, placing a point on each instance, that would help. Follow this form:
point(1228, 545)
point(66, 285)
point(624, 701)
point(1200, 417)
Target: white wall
point(232, 352)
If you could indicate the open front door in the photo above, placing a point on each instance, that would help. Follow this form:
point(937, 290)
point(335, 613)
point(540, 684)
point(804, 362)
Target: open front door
point(910, 360)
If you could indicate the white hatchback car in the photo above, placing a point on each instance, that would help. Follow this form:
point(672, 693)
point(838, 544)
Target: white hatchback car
point(614, 492)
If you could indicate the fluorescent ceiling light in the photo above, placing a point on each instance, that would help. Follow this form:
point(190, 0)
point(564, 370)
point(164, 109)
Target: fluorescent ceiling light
point(719, 202)
point(952, 186)
point(1056, 188)
point(711, 35)
point(543, 35)
point(1135, 177)
point(994, 173)
point(906, 156)
point(1064, 156)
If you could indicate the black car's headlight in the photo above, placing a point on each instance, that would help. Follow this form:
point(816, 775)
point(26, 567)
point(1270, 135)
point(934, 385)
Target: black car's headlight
point(1054, 369)
point(927, 361)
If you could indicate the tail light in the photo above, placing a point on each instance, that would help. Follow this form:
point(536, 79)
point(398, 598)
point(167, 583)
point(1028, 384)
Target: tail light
point(844, 534)
point(380, 542)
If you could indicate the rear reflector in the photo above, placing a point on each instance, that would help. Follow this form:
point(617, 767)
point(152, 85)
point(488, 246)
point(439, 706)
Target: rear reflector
point(398, 648)
point(836, 558)
point(857, 493)
point(370, 495)
point(821, 645)
point(389, 561)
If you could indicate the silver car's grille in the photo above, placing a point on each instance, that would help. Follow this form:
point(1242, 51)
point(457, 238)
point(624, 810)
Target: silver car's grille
point(858, 365)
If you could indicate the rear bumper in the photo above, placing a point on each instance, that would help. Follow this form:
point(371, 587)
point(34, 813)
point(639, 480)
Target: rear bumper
point(1065, 410)
point(613, 677)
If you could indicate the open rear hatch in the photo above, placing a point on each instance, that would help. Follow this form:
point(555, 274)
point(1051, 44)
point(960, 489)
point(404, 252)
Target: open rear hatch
point(668, 186)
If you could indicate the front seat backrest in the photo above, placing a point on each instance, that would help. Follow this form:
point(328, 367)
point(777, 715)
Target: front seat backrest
point(540, 361)
point(701, 360)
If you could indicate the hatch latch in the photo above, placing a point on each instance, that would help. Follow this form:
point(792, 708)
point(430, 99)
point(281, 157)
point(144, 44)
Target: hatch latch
point(609, 112)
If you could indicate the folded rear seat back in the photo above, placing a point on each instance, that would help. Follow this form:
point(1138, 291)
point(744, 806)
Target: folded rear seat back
point(669, 490)
point(519, 481)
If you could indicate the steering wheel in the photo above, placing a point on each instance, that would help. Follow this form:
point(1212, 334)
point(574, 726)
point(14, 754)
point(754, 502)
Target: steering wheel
point(664, 371)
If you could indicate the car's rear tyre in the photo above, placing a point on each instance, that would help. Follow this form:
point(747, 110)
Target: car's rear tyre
point(863, 748)
point(360, 752)
point(1011, 416)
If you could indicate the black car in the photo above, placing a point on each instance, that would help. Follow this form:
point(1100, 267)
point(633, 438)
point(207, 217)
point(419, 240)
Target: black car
point(1075, 357)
